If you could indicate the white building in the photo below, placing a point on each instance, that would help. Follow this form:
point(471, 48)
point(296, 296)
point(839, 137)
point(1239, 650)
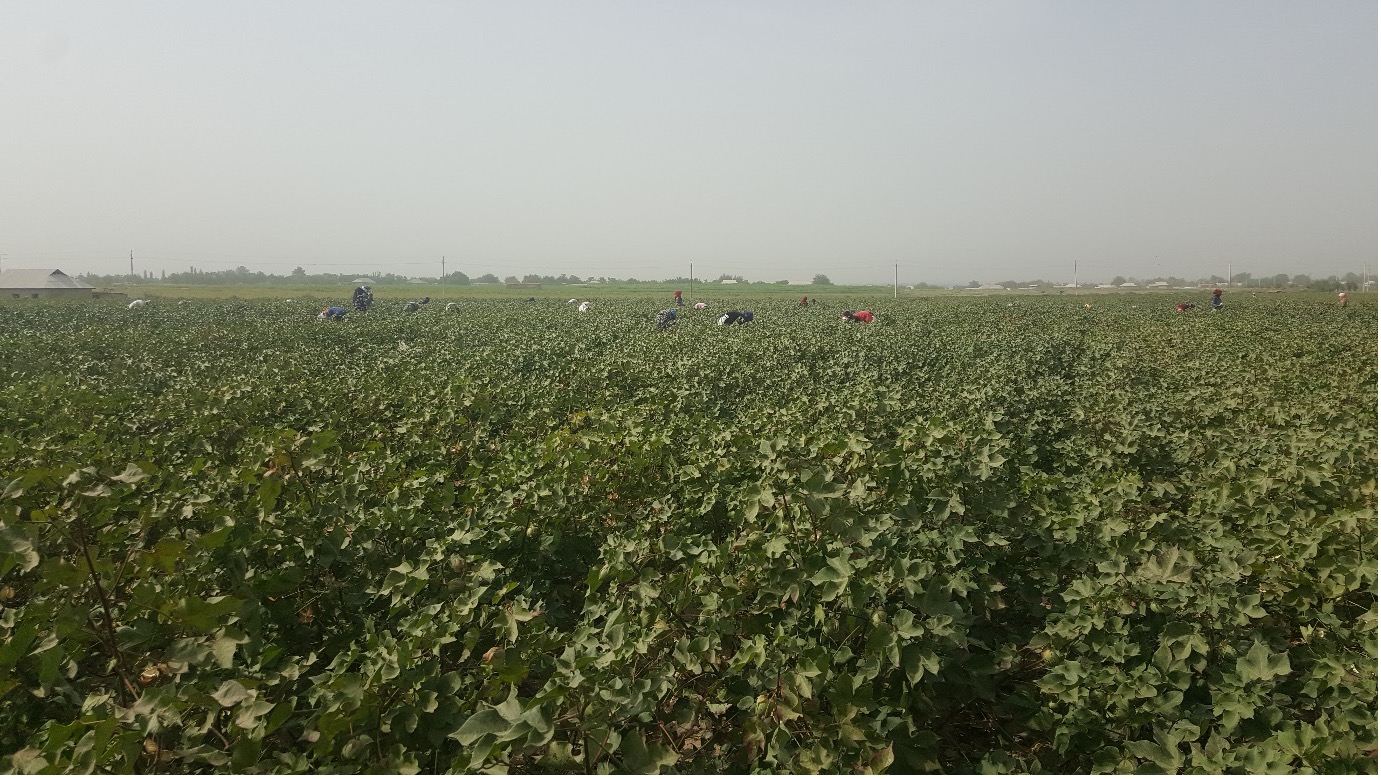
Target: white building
point(42, 283)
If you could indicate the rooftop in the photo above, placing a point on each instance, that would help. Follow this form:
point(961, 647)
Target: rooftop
point(39, 278)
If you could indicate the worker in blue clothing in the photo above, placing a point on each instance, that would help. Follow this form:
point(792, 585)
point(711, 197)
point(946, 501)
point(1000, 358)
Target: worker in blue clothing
point(363, 298)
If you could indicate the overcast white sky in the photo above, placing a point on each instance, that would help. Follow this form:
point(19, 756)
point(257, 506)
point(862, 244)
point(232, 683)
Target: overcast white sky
point(964, 140)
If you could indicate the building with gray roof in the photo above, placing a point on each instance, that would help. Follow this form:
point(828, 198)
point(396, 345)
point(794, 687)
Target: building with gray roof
point(42, 283)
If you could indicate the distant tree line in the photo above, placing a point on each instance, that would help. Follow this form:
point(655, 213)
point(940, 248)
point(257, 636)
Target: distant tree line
point(240, 275)
point(1350, 281)
point(243, 275)
point(299, 275)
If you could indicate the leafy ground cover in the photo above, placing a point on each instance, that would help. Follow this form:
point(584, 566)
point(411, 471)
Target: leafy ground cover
point(970, 537)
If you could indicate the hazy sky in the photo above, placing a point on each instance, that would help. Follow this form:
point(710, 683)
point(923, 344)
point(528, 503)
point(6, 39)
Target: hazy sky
point(964, 140)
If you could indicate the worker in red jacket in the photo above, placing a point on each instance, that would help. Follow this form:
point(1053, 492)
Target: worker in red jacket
point(866, 317)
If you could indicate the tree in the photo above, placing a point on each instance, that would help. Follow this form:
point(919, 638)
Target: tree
point(487, 278)
point(783, 281)
point(1280, 279)
point(298, 272)
point(510, 279)
point(455, 277)
point(1329, 284)
point(1301, 280)
point(1241, 278)
point(1118, 281)
point(822, 280)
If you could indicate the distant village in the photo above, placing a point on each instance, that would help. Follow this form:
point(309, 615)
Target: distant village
point(52, 282)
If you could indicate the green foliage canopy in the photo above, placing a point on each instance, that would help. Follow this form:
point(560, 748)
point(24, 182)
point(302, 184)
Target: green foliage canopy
point(970, 537)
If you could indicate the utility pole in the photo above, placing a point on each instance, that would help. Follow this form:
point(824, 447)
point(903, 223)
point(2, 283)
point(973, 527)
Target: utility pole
point(443, 269)
point(1076, 274)
point(131, 262)
point(895, 266)
point(691, 286)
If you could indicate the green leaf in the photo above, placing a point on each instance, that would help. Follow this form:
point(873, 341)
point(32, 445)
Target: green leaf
point(280, 714)
point(639, 757)
point(232, 692)
point(832, 578)
point(269, 490)
point(18, 644)
point(1167, 758)
point(916, 661)
point(511, 709)
point(880, 760)
point(132, 474)
point(1260, 664)
point(935, 601)
point(16, 550)
point(486, 722)
point(559, 756)
point(775, 547)
point(905, 623)
point(223, 651)
point(245, 754)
